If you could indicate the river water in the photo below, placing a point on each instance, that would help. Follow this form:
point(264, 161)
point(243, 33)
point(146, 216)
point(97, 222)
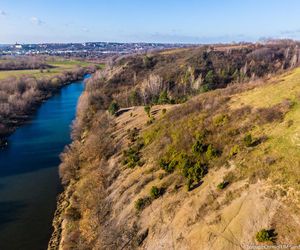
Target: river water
point(29, 182)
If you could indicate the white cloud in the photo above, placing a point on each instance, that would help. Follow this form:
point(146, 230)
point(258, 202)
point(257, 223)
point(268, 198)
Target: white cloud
point(36, 21)
point(3, 13)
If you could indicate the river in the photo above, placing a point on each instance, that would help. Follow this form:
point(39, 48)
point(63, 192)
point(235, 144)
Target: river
point(29, 181)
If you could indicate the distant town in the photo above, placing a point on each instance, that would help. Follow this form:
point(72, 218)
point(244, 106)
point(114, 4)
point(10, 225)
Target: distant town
point(89, 49)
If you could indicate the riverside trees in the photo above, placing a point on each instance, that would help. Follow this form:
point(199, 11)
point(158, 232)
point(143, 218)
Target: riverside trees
point(19, 96)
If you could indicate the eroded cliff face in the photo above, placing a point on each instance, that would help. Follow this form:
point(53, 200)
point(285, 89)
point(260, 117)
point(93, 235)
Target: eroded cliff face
point(105, 194)
point(206, 174)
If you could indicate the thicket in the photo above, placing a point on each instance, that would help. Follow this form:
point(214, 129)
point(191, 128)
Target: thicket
point(82, 170)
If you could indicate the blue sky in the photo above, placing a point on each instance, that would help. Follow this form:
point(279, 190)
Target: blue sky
point(183, 21)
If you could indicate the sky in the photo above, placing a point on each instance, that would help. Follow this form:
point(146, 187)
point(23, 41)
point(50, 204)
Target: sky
point(164, 21)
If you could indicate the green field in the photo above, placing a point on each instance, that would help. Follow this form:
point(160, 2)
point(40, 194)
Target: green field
point(59, 66)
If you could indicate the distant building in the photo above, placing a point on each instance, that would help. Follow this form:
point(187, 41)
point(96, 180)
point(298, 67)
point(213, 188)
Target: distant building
point(18, 46)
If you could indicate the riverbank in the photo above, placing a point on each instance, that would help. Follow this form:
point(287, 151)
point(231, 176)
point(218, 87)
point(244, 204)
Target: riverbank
point(13, 117)
point(28, 171)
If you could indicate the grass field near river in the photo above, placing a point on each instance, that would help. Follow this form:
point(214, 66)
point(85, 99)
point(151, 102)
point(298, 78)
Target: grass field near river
point(58, 67)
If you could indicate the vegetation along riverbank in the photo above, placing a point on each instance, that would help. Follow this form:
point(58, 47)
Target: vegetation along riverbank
point(27, 81)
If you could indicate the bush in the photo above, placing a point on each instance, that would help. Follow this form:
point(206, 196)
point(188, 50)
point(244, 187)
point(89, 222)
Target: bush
point(141, 203)
point(195, 173)
point(211, 152)
point(220, 120)
point(163, 98)
point(199, 146)
point(248, 140)
point(223, 185)
point(113, 108)
point(209, 80)
point(265, 235)
point(192, 171)
point(156, 192)
point(131, 157)
point(168, 166)
point(164, 111)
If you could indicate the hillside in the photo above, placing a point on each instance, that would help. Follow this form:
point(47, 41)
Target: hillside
point(219, 171)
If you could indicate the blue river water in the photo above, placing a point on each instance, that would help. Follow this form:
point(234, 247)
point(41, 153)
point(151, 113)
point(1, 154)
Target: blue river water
point(29, 181)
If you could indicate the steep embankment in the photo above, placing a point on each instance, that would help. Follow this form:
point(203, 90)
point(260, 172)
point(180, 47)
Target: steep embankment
point(207, 174)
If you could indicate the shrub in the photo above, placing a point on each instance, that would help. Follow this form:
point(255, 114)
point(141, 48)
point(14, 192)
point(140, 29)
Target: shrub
point(164, 111)
point(211, 152)
point(156, 192)
point(205, 88)
point(141, 203)
point(168, 166)
point(248, 140)
point(131, 156)
point(265, 235)
point(199, 146)
point(210, 79)
point(163, 98)
point(193, 172)
point(223, 185)
point(113, 108)
point(220, 120)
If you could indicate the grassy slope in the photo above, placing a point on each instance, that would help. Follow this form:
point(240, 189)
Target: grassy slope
point(270, 186)
point(59, 66)
point(284, 138)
